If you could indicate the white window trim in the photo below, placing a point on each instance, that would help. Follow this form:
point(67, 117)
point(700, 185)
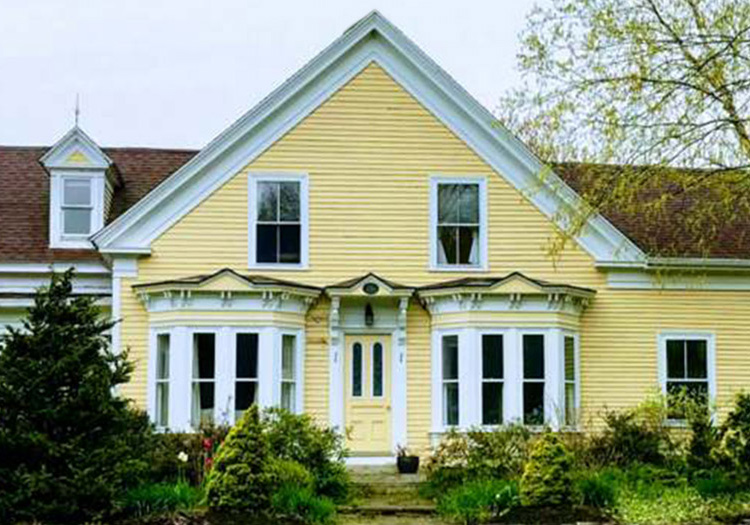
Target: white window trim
point(58, 238)
point(441, 406)
point(577, 381)
point(710, 339)
point(507, 359)
point(481, 181)
point(547, 400)
point(153, 379)
point(254, 178)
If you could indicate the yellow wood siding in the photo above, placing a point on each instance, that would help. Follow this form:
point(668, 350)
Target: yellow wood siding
point(369, 152)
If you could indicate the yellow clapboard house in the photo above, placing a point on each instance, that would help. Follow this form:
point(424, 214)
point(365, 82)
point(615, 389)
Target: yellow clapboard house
point(367, 245)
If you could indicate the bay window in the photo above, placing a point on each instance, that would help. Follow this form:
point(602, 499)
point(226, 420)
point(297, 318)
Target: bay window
point(492, 379)
point(162, 381)
point(533, 379)
point(570, 373)
point(204, 379)
point(450, 380)
point(246, 373)
point(289, 372)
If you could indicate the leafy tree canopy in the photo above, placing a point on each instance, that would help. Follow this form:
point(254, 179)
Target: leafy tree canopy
point(660, 88)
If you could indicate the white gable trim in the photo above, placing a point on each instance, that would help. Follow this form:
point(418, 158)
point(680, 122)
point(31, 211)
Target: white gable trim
point(75, 140)
point(373, 39)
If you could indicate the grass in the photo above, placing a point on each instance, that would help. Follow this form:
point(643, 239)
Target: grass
point(160, 498)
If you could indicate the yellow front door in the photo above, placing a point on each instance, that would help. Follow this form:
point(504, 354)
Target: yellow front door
point(368, 394)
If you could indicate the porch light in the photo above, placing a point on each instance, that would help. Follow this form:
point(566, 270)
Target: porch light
point(369, 315)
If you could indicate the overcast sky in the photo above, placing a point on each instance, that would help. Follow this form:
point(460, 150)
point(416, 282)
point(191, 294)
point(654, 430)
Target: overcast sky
point(175, 73)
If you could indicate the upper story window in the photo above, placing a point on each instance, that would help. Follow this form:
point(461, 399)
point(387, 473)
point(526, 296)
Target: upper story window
point(278, 221)
point(459, 230)
point(77, 207)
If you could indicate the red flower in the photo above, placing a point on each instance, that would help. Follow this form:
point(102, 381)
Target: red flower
point(208, 463)
point(208, 444)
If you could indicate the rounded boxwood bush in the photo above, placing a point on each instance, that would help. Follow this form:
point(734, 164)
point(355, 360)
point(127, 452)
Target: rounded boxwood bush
point(547, 478)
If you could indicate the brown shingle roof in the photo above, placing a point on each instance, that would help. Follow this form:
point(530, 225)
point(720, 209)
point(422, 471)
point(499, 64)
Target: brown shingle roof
point(24, 207)
point(24, 197)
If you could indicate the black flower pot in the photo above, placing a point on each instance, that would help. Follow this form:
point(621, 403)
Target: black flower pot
point(407, 464)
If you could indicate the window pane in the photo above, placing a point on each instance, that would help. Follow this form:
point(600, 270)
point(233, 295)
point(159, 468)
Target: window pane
point(570, 403)
point(203, 404)
point(492, 356)
point(266, 243)
point(288, 396)
point(469, 206)
point(450, 357)
point(244, 396)
point(377, 370)
point(77, 193)
point(289, 243)
point(448, 199)
point(533, 403)
point(570, 359)
point(450, 403)
point(697, 390)
point(268, 201)
point(289, 201)
point(492, 403)
point(203, 356)
point(533, 356)
point(162, 356)
point(448, 245)
point(288, 350)
point(468, 245)
point(696, 359)
point(676, 358)
point(77, 221)
point(247, 356)
point(162, 404)
point(357, 370)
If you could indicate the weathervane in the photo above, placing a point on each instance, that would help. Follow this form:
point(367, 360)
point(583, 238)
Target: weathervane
point(78, 109)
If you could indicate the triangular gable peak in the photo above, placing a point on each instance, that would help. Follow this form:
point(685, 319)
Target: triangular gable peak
point(369, 285)
point(76, 150)
point(372, 39)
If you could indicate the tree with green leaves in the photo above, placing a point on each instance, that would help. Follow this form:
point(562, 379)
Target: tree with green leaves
point(69, 445)
point(651, 99)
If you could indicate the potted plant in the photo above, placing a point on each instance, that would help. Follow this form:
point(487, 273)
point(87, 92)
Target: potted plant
point(407, 463)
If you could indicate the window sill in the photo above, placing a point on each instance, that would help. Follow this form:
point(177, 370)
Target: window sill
point(280, 266)
point(81, 243)
point(449, 269)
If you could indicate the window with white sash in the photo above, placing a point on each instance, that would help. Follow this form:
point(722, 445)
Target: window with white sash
point(459, 226)
point(687, 368)
point(162, 381)
point(77, 206)
point(450, 355)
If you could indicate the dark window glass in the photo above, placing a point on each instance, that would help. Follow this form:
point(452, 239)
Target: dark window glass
point(206, 356)
point(244, 394)
point(289, 201)
point(206, 395)
point(492, 356)
point(268, 201)
point(697, 364)
point(533, 403)
point(289, 243)
point(450, 393)
point(468, 245)
point(377, 370)
point(492, 403)
point(449, 243)
point(357, 370)
point(676, 358)
point(533, 356)
point(450, 357)
point(247, 356)
point(267, 243)
point(570, 359)
point(448, 199)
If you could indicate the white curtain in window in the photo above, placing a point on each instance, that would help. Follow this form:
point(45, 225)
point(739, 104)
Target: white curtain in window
point(474, 253)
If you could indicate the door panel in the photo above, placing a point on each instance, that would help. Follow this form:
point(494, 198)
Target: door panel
point(368, 394)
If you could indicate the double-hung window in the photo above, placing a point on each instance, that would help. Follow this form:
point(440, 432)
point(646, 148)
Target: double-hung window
point(246, 373)
point(77, 207)
point(533, 379)
point(162, 381)
point(492, 379)
point(278, 221)
point(450, 380)
point(688, 366)
point(289, 372)
point(459, 223)
point(204, 379)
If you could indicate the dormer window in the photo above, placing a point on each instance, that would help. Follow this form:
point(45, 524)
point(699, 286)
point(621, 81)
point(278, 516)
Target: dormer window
point(77, 207)
point(81, 189)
